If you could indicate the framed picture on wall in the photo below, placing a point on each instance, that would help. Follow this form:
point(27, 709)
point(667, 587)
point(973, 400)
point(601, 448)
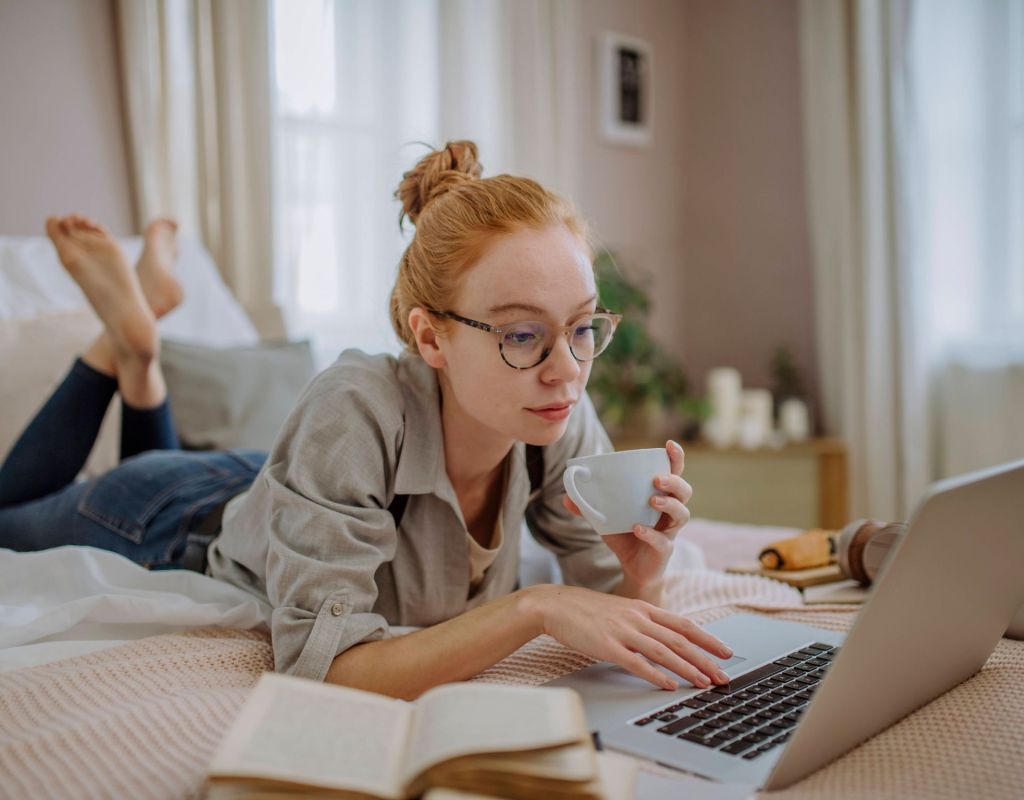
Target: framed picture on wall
point(626, 103)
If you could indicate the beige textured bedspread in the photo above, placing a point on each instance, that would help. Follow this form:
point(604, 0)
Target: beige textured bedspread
point(142, 720)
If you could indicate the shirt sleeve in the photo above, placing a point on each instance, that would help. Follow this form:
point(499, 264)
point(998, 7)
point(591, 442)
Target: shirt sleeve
point(322, 500)
point(583, 556)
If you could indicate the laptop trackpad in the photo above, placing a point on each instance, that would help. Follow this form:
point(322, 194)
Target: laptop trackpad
point(724, 663)
point(611, 679)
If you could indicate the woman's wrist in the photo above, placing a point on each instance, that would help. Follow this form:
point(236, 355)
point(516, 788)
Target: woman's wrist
point(650, 592)
point(532, 604)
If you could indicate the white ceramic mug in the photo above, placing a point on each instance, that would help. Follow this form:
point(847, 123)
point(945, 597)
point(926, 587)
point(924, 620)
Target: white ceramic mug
point(613, 490)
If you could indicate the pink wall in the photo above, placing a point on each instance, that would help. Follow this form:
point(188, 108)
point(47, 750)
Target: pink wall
point(634, 198)
point(62, 145)
point(714, 211)
point(748, 280)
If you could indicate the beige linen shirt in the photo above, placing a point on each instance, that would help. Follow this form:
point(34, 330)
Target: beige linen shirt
point(314, 537)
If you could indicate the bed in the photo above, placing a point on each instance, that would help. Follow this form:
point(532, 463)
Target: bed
point(116, 682)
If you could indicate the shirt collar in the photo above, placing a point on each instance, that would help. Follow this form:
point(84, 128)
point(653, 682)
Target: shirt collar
point(421, 465)
point(422, 456)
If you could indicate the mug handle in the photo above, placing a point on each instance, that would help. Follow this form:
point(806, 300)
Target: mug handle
point(569, 480)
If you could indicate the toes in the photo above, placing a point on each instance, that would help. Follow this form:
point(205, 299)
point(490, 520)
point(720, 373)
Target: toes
point(84, 223)
point(168, 223)
point(53, 227)
point(73, 223)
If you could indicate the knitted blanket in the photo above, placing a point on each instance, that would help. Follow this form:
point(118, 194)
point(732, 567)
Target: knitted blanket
point(142, 720)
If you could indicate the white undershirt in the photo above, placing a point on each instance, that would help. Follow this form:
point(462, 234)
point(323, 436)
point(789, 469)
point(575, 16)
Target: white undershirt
point(480, 557)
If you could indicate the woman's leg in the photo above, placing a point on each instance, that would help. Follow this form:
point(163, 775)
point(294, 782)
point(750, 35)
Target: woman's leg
point(55, 445)
point(152, 428)
point(161, 289)
point(53, 448)
point(128, 302)
point(151, 508)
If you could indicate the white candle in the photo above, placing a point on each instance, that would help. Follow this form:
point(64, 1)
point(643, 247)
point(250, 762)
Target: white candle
point(755, 418)
point(794, 419)
point(724, 397)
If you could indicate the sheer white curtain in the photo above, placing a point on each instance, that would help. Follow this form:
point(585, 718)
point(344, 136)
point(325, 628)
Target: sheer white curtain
point(912, 136)
point(965, 94)
point(866, 301)
point(196, 89)
point(277, 130)
point(356, 85)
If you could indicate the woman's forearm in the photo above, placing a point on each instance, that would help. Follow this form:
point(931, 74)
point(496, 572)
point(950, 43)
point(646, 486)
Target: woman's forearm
point(454, 650)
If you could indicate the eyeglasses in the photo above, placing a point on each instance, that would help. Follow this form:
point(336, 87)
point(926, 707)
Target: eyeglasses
point(526, 344)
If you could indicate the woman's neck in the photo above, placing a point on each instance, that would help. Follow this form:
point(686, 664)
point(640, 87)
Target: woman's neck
point(474, 453)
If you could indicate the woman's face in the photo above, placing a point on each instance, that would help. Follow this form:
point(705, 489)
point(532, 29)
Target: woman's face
point(531, 275)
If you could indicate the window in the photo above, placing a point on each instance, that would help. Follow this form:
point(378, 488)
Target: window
point(967, 81)
point(1014, 126)
point(355, 87)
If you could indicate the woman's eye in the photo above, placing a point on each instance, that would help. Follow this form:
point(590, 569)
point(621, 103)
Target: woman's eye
point(585, 330)
point(521, 337)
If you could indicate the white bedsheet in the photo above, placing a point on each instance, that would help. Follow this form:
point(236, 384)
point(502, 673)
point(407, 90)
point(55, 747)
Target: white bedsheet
point(71, 600)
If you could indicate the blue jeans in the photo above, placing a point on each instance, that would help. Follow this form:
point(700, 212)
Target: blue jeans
point(155, 507)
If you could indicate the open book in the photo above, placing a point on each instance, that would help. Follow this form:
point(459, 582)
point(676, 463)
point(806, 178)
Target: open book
point(299, 737)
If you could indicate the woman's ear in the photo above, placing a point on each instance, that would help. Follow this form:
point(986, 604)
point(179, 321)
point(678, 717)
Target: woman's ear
point(427, 340)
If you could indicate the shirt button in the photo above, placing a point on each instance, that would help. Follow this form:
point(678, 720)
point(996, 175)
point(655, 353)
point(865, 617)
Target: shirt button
point(337, 609)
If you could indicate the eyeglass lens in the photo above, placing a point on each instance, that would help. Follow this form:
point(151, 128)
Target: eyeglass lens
point(524, 344)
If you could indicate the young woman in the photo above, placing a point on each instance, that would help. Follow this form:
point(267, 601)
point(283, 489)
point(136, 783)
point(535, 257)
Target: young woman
point(395, 491)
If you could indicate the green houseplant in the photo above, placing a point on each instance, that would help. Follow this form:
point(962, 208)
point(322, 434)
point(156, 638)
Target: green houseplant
point(636, 386)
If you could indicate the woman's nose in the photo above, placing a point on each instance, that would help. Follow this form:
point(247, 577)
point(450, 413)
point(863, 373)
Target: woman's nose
point(561, 364)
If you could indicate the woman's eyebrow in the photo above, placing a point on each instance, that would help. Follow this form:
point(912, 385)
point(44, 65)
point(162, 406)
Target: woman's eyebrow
point(532, 308)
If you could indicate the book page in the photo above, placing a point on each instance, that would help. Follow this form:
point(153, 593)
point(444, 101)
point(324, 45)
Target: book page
point(461, 719)
point(302, 731)
point(568, 763)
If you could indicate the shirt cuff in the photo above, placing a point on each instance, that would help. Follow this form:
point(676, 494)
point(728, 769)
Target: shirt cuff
point(305, 646)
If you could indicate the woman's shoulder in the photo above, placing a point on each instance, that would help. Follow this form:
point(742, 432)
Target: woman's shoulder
point(378, 387)
point(357, 386)
point(381, 378)
point(357, 369)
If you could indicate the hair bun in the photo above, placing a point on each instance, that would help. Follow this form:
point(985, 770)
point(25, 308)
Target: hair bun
point(435, 174)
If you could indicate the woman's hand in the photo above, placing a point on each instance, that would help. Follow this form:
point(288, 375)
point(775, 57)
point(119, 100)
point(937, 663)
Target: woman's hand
point(644, 552)
point(628, 632)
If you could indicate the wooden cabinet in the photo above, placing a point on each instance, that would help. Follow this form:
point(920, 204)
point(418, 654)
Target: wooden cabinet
point(801, 485)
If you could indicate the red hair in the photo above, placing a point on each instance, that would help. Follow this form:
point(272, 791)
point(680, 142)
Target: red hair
point(457, 215)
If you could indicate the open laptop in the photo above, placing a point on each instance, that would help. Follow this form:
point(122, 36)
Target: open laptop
point(802, 696)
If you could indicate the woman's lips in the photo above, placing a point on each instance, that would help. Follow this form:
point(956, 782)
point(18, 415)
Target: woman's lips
point(553, 413)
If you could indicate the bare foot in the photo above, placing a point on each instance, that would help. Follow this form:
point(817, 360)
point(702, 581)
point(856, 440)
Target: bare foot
point(162, 290)
point(93, 258)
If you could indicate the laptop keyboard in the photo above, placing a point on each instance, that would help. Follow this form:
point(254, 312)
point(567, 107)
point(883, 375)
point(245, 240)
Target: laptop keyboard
point(753, 713)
